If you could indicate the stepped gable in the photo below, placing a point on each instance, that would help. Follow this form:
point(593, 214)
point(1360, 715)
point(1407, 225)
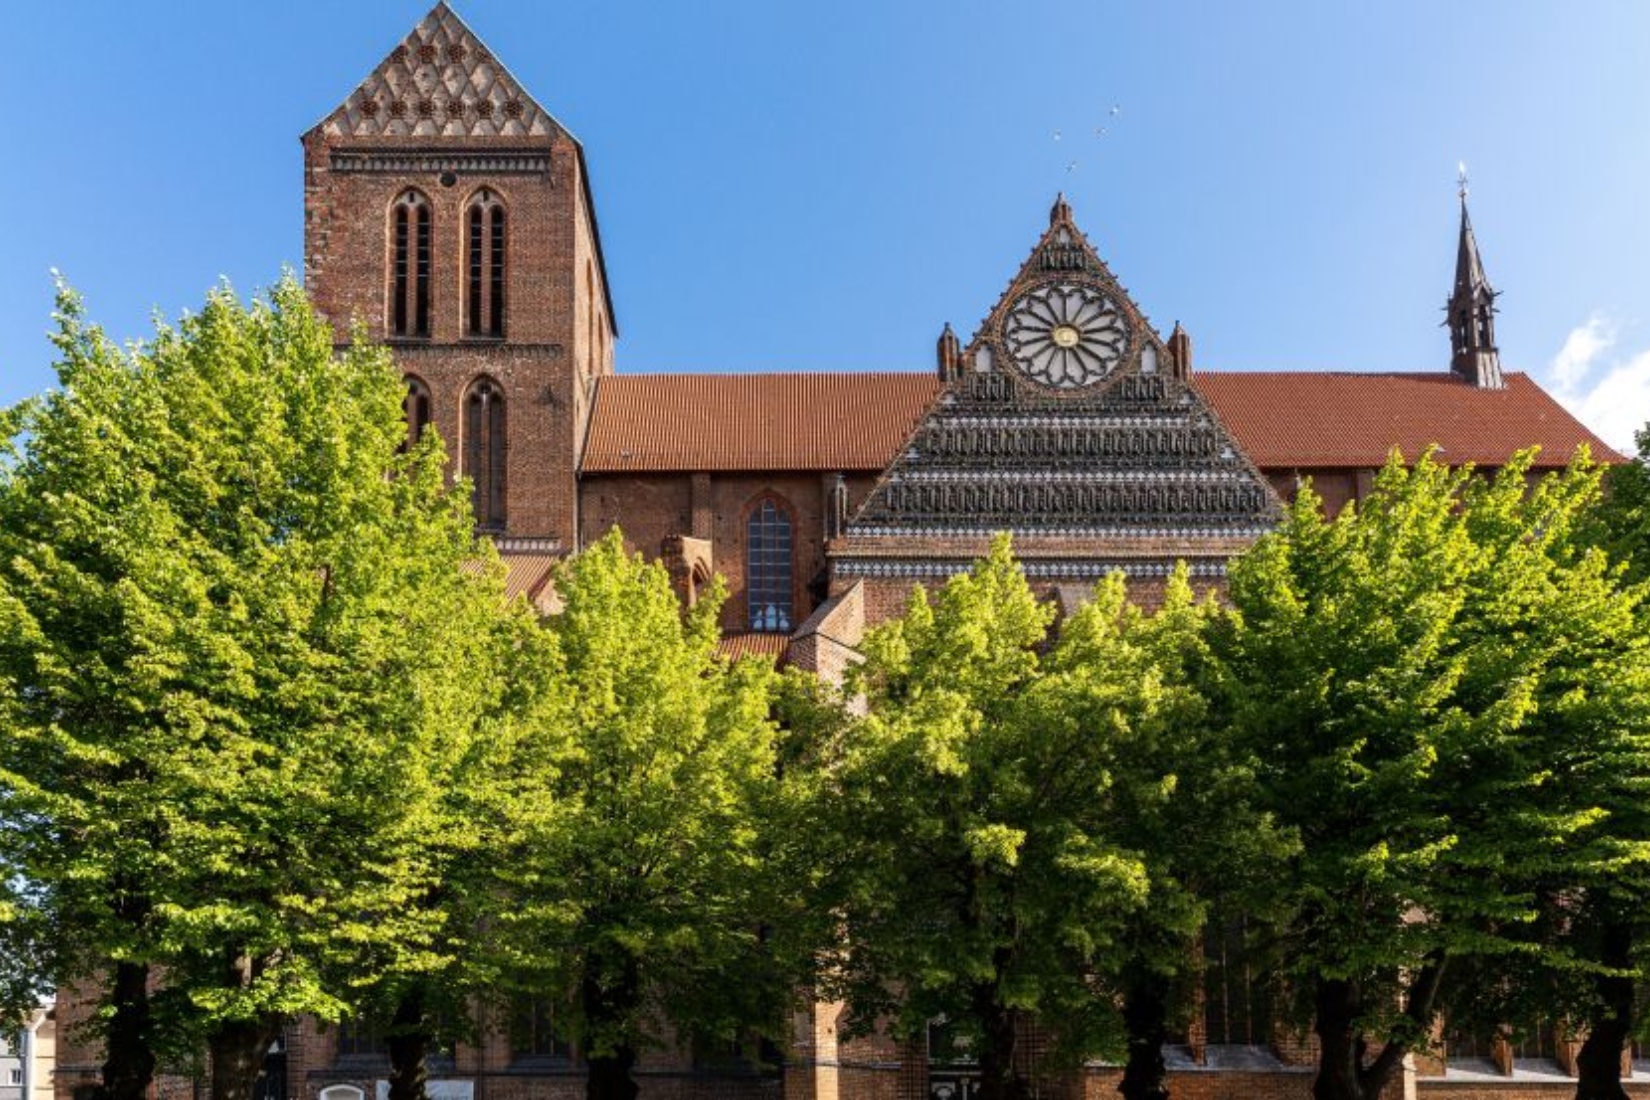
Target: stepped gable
point(1068, 423)
point(440, 82)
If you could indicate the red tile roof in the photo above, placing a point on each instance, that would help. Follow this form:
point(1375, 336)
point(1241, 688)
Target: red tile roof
point(737, 646)
point(688, 422)
point(1314, 420)
point(528, 576)
point(1282, 419)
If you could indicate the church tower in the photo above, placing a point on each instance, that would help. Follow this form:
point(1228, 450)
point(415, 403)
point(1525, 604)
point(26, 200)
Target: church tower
point(449, 215)
point(1471, 310)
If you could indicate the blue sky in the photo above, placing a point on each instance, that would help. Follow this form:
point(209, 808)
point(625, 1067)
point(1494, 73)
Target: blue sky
point(787, 186)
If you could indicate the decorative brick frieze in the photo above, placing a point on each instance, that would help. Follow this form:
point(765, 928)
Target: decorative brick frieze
point(433, 162)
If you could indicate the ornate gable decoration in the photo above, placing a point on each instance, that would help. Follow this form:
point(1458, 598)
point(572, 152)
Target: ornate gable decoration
point(440, 82)
point(1067, 419)
point(1065, 323)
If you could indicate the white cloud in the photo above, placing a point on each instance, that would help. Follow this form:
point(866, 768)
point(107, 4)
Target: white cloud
point(1609, 393)
point(1585, 344)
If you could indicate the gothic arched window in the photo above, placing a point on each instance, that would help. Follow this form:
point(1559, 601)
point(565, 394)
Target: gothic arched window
point(485, 251)
point(485, 444)
point(416, 406)
point(768, 568)
point(410, 237)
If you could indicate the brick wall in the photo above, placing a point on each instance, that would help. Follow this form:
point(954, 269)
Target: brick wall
point(557, 332)
point(651, 508)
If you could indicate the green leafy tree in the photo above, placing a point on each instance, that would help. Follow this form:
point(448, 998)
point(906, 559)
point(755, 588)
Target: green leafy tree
point(1183, 795)
point(1408, 671)
point(633, 886)
point(1012, 810)
point(1591, 943)
point(243, 640)
point(1622, 518)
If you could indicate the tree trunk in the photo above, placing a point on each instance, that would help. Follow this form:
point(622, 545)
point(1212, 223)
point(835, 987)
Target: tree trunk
point(610, 1076)
point(409, 1043)
point(1145, 1016)
point(999, 1077)
point(1343, 1073)
point(238, 1051)
point(1598, 1067)
point(1341, 1045)
point(609, 1001)
point(129, 1058)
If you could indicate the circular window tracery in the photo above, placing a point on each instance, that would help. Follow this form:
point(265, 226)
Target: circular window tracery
point(1066, 335)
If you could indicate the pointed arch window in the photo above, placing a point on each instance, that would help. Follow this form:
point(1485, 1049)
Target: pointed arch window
point(411, 233)
point(485, 445)
point(484, 265)
point(769, 568)
point(416, 407)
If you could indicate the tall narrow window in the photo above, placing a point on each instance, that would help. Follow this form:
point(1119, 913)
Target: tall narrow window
point(416, 406)
point(484, 452)
point(410, 236)
point(535, 1033)
point(484, 266)
point(475, 218)
point(496, 300)
point(1237, 990)
point(768, 568)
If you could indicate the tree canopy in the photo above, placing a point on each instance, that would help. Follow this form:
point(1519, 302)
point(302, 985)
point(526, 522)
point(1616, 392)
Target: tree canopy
point(244, 638)
point(633, 883)
point(1414, 673)
point(1015, 804)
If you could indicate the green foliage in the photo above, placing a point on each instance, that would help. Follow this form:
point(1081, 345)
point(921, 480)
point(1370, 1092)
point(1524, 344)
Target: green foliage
point(1624, 514)
point(634, 876)
point(1184, 794)
point(244, 641)
point(1586, 653)
point(1018, 808)
point(1434, 681)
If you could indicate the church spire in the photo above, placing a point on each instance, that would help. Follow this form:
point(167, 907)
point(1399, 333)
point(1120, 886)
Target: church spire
point(1471, 311)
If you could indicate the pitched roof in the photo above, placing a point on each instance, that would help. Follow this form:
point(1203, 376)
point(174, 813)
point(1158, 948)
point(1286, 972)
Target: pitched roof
point(748, 422)
point(770, 647)
point(527, 576)
point(441, 81)
point(1282, 419)
point(1287, 419)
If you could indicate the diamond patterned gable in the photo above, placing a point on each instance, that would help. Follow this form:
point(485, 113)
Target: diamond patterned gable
point(441, 81)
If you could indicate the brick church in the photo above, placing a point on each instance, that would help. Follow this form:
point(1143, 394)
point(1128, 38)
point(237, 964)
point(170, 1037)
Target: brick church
point(451, 214)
